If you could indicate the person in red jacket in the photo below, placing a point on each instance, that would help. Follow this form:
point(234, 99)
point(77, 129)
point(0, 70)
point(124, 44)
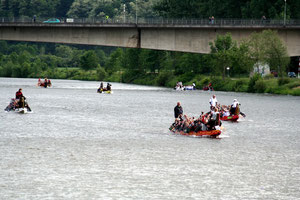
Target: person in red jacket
point(19, 94)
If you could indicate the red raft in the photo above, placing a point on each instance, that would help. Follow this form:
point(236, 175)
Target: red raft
point(212, 133)
point(232, 118)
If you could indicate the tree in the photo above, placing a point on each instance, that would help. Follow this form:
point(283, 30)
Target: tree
point(89, 60)
point(222, 51)
point(275, 52)
point(114, 62)
point(267, 47)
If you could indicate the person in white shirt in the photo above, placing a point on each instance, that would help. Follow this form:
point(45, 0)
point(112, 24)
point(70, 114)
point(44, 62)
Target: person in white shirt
point(234, 110)
point(213, 102)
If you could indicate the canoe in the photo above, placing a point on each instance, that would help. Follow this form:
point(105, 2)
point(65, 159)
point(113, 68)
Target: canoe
point(233, 118)
point(212, 133)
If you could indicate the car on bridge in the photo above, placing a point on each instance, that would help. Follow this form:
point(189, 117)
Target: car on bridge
point(52, 20)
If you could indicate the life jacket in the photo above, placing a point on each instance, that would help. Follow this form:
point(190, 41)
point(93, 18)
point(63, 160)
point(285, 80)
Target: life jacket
point(19, 95)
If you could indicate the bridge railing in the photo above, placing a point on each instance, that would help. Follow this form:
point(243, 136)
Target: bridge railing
point(160, 21)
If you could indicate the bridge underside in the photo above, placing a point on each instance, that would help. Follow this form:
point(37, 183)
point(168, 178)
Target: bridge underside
point(184, 39)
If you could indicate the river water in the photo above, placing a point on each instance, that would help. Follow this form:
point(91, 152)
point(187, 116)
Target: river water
point(78, 144)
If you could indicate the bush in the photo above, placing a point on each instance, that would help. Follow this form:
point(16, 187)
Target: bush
point(269, 76)
point(184, 78)
point(163, 78)
point(241, 86)
point(219, 84)
point(252, 82)
point(283, 81)
point(204, 82)
point(260, 86)
point(101, 73)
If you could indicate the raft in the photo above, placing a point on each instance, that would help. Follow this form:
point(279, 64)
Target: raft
point(105, 92)
point(212, 133)
point(232, 118)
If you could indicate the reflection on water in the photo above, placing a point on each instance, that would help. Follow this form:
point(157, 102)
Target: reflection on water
point(82, 145)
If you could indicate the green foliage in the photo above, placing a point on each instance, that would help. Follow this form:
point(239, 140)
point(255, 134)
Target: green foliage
point(252, 82)
point(226, 55)
point(205, 82)
point(114, 62)
point(267, 47)
point(101, 73)
point(164, 77)
point(283, 81)
point(89, 60)
point(260, 86)
point(241, 85)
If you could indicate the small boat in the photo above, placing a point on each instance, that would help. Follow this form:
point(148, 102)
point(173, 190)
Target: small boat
point(232, 118)
point(180, 87)
point(13, 106)
point(105, 92)
point(212, 133)
point(189, 87)
point(45, 84)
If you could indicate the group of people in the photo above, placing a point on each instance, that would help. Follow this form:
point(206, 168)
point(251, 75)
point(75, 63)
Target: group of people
point(18, 102)
point(225, 111)
point(179, 86)
point(206, 121)
point(103, 89)
point(211, 20)
point(46, 83)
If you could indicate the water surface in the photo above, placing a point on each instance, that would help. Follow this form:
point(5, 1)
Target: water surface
point(78, 144)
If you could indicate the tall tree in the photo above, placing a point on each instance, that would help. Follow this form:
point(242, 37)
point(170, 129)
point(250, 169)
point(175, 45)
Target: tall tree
point(222, 51)
point(267, 47)
point(89, 60)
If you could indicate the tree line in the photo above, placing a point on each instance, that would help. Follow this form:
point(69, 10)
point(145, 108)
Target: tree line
point(271, 9)
point(127, 65)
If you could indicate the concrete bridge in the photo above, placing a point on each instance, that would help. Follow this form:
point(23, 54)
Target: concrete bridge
point(172, 35)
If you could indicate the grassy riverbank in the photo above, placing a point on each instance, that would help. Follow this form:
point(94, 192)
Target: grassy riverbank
point(255, 84)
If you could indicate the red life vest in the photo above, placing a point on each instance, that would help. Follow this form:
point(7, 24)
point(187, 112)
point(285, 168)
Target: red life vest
point(19, 95)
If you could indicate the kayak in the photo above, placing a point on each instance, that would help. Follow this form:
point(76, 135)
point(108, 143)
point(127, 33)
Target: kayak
point(212, 133)
point(233, 118)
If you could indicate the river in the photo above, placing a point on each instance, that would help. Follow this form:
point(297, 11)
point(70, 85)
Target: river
point(78, 144)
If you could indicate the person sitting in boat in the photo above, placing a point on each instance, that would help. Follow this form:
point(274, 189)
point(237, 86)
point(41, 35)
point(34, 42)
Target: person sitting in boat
point(39, 82)
point(46, 83)
point(100, 89)
point(19, 94)
point(49, 83)
point(20, 101)
point(213, 102)
point(108, 87)
point(234, 108)
point(179, 86)
point(178, 110)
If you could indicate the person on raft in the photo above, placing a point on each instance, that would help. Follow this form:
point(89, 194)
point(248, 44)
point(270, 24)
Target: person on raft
point(20, 100)
point(108, 87)
point(213, 102)
point(19, 94)
point(178, 110)
point(100, 89)
point(235, 108)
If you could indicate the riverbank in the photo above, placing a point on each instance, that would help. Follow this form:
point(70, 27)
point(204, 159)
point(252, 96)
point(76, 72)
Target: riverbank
point(255, 84)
